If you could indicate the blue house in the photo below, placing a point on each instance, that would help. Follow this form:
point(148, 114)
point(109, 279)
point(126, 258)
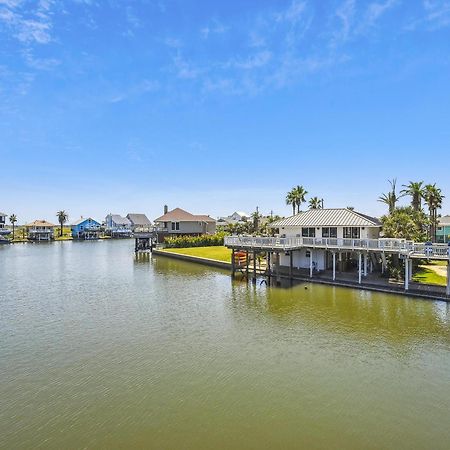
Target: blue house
point(86, 229)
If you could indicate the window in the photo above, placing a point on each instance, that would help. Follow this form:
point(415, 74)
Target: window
point(175, 226)
point(352, 233)
point(329, 232)
point(308, 232)
point(308, 253)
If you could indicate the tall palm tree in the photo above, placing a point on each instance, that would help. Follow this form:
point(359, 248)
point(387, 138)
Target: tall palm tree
point(291, 200)
point(433, 198)
point(391, 198)
point(315, 203)
point(300, 196)
point(256, 217)
point(63, 217)
point(416, 190)
point(13, 220)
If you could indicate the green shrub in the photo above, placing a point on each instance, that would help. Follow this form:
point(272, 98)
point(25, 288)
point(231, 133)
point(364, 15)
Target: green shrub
point(206, 240)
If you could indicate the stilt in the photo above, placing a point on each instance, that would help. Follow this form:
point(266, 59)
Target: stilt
point(310, 263)
point(254, 268)
point(278, 268)
point(410, 270)
point(291, 263)
point(359, 267)
point(246, 264)
point(406, 274)
point(366, 263)
point(448, 278)
point(334, 266)
point(233, 264)
point(269, 271)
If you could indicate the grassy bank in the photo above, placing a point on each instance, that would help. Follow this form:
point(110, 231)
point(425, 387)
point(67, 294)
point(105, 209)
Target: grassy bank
point(432, 273)
point(218, 253)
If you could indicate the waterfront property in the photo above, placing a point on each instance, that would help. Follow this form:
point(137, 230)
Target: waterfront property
point(238, 217)
point(443, 229)
point(325, 241)
point(4, 231)
point(180, 222)
point(117, 226)
point(40, 230)
point(139, 223)
point(86, 229)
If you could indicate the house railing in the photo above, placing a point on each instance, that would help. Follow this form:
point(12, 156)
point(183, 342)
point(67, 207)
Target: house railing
point(292, 243)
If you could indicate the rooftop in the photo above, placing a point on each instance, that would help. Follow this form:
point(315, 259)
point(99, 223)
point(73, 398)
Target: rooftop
point(41, 223)
point(84, 219)
point(337, 217)
point(444, 221)
point(180, 215)
point(138, 219)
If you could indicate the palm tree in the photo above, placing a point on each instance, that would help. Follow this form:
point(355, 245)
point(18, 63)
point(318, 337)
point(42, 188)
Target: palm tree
point(391, 198)
point(433, 198)
point(63, 217)
point(300, 193)
point(416, 190)
point(13, 220)
point(315, 203)
point(256, 217)
point(291, 200)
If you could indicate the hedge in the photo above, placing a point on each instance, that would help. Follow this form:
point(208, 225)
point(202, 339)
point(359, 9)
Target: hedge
point(206, 240)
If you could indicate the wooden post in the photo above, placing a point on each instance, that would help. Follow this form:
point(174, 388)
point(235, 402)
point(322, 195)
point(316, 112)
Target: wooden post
point(291, 263)
point(310, 263)
point(269, 272)
point(278, 267)
point(359, 267)
point(334, 266)
point(406, 274)
point(233, 268)
point(246, 263)
point(254, 267)
point(366, 263)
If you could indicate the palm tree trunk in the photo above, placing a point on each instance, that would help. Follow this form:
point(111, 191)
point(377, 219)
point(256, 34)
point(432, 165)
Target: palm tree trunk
point(13, 230)
point(293, 209)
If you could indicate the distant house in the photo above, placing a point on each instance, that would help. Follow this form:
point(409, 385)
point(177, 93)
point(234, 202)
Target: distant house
point(117, 226)
point(40, 230)
point(3, 230)
point(86, 229)
point(181, 222)
point(139, 222)
point(237, 217)
point(443, 230)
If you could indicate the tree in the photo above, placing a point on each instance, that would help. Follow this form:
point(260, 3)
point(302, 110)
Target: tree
point(256, 217)
point(291, 200)
point(391, 198)
point(13, 220)
point(433, 198)
point(315, 203)
point(406, 223)
point(300, 196)
point(63, 217)
point(416, 191)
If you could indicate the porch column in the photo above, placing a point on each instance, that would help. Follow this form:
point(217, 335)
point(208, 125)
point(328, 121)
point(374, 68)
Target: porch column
point(268, 265)
point(334, 266)
point(278, 280)
point(254, 268)
point(410, 270)
point(366, 263)
point(359, 267)
point(246, 264)
point(448, 278)
point(406, 274)
point(310, 263)
point(232, 263)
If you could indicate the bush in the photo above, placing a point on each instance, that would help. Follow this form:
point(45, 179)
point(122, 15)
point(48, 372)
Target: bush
point(206, 240)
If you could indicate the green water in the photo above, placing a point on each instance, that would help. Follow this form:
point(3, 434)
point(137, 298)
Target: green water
point(99, 350)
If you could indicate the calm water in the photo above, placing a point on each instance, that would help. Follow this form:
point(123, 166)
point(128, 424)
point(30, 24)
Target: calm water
point(99, 350)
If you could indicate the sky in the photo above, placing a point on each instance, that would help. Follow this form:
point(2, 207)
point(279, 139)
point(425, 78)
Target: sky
point(124, 106)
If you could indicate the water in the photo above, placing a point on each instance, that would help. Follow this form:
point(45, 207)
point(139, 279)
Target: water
point(100, 350)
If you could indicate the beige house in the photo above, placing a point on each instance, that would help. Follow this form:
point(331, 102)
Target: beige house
point(180, 222)
point(40, 230)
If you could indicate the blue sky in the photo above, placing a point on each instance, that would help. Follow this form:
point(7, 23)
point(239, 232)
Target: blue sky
point(123, 106)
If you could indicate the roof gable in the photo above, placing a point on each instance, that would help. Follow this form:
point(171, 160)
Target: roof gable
point(119, 220)
point(41, 223)
point(138, 219)
point(337, 217)
point(85, 219)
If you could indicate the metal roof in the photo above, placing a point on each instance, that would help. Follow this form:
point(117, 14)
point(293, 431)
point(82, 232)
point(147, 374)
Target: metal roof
point(138, 219)
point(335, 217)
point(444, 221)
point(119, 220)
point(3, 214)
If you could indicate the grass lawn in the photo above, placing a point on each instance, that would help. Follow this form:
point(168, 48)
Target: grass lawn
point(218, 253)
point(429, 276)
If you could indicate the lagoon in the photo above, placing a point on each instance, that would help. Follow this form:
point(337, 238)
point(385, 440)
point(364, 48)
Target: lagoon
point(100, 349)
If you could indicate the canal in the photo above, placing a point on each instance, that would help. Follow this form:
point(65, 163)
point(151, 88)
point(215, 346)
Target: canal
point(99, 349)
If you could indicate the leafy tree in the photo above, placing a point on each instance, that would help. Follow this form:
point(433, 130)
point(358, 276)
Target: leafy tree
point(416, 191)
point(63, 217)
point(13, 220)
point(433, 198)
point(391, 198)
point(406, 223)
point(315, 203)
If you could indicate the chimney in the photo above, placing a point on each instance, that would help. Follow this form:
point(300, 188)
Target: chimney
point(166, 209)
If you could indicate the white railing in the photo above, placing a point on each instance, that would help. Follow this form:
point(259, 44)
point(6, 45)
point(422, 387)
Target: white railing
point(292, 243)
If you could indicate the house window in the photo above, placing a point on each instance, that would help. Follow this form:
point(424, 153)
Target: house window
point(308, 232)
point(329, 232)
point(352, 233)
point(175, 226)
point(308, 253)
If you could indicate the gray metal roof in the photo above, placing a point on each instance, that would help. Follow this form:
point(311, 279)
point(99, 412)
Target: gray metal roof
point(138, 219)
point(3, 214)
point(335, 217)
point(444, 221)
point(119, 220)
